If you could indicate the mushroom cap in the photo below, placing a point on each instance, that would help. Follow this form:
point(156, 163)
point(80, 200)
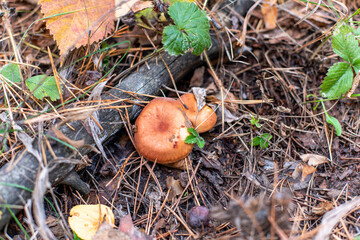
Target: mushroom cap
point(204, 120)
point(161, 131)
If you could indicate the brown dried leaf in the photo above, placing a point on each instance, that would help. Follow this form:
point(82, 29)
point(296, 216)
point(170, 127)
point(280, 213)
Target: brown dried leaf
point(175, 187)
point(123, 7)
point(314, 159)
point(269, 12)
point(322, 208)
point(76, 23)
point(307, 170)
point(141, 5)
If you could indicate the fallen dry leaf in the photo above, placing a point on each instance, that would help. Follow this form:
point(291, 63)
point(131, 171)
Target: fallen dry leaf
point(307, 170)
point(123, 7)
point(322, 208)
point(269, 12)
point(141, 5)
point(175, 187)
point(314, 159)
point(78, 22)
point(85, 220)
point(304, 170)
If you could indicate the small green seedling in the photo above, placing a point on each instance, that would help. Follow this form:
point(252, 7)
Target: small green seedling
point(255, 121)
point(261, 141)
point(190, 31)
point(194, 138)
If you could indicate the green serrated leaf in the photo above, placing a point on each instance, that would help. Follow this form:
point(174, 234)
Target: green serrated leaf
point(194, 138)
point(346, 46)
point(256, 141)
point(333, 121)
point(193, 132)
point(356, 65)
point(190, 32)
point(43, 86)
point(11, 71)
point(200, 142)
point(261, 141)
point(191, 139)
point(338, 80)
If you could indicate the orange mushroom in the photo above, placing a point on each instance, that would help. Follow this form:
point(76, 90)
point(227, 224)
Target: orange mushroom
point(204, 119)
point(161, 130)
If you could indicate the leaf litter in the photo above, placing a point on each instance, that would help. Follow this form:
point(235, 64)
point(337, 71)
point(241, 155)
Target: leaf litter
point(320, 186)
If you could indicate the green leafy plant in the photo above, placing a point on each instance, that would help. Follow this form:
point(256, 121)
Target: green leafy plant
point(43, 86)
point(339, 77)
point(190, 31)
point(255, 121)
point(194, 138)
point(262, 141)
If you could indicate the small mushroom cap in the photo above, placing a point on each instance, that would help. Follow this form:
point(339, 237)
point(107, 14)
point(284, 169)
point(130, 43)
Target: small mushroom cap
point(161, 131)
point(204, 120)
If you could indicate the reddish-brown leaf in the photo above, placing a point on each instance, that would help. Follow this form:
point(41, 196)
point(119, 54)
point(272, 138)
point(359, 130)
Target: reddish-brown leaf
point(84, 21)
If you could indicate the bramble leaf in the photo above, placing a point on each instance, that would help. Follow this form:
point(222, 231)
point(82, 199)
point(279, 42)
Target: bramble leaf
point(338, 80)
point(346, 46)
point(11, 71)
point(190, 32)
point(43, 86)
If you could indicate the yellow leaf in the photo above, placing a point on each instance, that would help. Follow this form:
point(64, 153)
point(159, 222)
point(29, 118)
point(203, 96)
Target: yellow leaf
point(78, 22)
point(85, 220)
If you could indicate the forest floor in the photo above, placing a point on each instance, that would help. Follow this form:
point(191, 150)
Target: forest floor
point(283, 188)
